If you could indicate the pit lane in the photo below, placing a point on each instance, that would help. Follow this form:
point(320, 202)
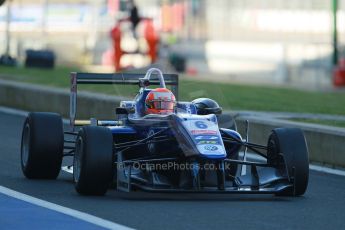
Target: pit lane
point(322, 207)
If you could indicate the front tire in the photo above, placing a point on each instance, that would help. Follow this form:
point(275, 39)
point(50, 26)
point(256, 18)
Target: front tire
point(290, 144)
point(93, 164)
point(42, 146)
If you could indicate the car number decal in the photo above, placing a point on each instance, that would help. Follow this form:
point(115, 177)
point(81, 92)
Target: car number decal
point(201, 125)
point(206, 137)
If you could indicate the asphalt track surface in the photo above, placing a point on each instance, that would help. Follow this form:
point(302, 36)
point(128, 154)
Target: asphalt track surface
point(322, 207)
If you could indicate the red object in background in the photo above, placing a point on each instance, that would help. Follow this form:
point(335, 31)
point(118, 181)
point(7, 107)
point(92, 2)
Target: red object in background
point(166, 15)
point(177, 12)
point(192, 71)
point(150, 35)
point(116, 36)
point(113, 6)
point(172, 17)
point(152, 40)
point(339, 73)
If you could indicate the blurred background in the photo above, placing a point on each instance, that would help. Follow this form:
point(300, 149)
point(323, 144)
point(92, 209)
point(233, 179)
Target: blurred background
point(253, 41)
point(274, 56)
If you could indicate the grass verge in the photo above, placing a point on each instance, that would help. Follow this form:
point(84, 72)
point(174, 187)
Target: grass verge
point(229, 96)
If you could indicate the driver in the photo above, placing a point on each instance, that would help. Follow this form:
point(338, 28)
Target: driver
point(160, 101)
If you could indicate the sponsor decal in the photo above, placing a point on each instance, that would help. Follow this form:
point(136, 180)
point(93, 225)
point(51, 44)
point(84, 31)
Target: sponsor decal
point(206, 138)
point(207, 142)
point(201, 125)
point(211, 147)
point(200, 132)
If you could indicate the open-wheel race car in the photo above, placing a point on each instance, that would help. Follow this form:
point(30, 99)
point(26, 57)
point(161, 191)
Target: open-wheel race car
point(158, 144)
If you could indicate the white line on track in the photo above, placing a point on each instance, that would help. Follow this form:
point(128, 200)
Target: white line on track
point(21, 112)
point(252, 156)
point(13, 111)
point(67, 211)
point(313, 167)
point(327, 170)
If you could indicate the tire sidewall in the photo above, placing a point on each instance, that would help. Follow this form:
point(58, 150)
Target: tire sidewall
point(96, 160)
point(291, 143)
point(45, 146)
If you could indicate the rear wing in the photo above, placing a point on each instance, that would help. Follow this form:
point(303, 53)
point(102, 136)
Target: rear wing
point(113, 78)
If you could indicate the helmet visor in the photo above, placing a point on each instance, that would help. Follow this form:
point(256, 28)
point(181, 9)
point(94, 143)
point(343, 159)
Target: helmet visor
point(163, 105)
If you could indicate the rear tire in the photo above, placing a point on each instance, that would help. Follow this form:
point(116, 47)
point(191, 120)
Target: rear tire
point(290, 142)
point(42, 146)
point(93, 164)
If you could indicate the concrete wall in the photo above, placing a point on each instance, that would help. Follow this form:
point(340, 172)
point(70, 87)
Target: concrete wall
point(42, 98)
point(326, 144)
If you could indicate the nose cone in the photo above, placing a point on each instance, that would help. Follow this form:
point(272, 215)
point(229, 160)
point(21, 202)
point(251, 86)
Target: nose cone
point(201, 136)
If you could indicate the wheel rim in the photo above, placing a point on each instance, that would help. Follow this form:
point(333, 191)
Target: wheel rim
point(77, 160)
point(25, 145)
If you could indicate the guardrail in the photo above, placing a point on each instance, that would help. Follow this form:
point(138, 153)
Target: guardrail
point(326, 144)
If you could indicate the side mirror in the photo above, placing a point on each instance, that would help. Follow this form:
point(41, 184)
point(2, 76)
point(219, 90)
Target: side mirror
point(124, 111)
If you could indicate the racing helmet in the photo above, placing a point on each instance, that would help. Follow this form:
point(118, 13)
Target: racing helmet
point(160, 101)
point(206, 106)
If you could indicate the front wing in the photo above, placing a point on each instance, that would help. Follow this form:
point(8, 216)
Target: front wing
point(262, 179)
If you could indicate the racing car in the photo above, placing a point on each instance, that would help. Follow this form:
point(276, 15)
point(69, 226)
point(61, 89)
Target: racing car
point(157, 143)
